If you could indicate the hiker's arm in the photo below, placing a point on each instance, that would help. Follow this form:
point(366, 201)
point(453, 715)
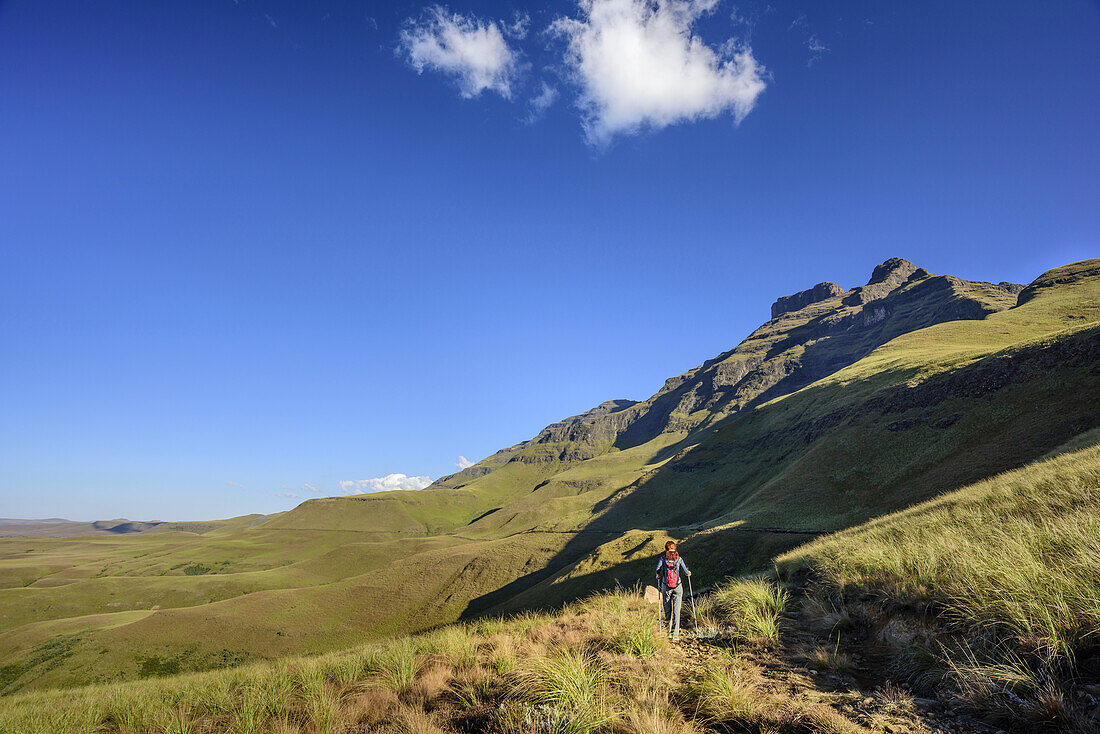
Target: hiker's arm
point(684, 564)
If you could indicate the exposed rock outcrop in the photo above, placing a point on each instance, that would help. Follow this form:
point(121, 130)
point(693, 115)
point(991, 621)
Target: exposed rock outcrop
point(885, 279)
point(799, 301)
point(895, 271)
point(587, 427)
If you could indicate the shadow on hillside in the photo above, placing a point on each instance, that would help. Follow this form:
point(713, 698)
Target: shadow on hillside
point(715, 555)
point(822, 460)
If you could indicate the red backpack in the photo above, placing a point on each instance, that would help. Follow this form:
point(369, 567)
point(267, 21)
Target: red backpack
point(672, 571)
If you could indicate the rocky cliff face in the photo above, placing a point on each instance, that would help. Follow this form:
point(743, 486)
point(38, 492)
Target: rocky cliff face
point(799, 301)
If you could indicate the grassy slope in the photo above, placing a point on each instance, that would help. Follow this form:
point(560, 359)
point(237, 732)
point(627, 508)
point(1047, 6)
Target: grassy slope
point(537, 529)
point(1019, 551)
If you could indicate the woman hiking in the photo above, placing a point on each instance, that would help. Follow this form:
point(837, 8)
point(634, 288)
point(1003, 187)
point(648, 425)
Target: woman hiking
point(670, 569)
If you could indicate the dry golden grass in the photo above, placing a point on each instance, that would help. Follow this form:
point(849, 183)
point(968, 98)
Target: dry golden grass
point(833, 659)
point(654, 719)
point(430, 685)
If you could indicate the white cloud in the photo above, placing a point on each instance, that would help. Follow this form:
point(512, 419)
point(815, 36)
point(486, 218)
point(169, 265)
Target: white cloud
point(517, 29)
point(384, 484)
point(285, 494)
point(311, 488)
point(463, 463)
point(542, 102)
point(238, 485)
point(817, 50)
point(638, 65)
point(468, 49)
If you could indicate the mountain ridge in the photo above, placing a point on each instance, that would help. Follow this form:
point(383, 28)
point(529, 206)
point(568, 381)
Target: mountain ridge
point(633, 425)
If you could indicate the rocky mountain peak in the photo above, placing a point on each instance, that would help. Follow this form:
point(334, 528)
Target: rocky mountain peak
point(885, 279)
point(894, 270)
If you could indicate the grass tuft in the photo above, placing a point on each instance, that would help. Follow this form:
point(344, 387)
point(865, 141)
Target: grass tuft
point(455, 644)
point(571, 687)
point(728, 695)
point(655, 719)
point(753, 607)
point(396, 664)
point(832, 659)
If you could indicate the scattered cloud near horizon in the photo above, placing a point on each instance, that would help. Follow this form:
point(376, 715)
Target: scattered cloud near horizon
point(463, 463)
point(470, 50)
point(638, 65)
point(384, 484)
point(286, 494)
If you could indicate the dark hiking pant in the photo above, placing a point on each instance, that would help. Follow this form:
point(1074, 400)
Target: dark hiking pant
point(671, 600)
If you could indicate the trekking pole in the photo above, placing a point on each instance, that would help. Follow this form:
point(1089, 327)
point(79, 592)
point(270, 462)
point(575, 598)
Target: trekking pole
point(691, 595)
point(660, 608)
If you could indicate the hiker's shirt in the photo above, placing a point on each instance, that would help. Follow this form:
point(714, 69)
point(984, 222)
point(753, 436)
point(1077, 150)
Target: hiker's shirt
point(681, 569)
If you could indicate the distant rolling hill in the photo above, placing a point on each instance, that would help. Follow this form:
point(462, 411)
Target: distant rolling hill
point(56, 527)
point(844, 406)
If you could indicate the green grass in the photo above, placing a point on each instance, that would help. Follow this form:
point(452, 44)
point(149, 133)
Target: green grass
point(396, 664)
point(456, 644)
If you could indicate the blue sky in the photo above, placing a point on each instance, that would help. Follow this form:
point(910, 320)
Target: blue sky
point(260, 248)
